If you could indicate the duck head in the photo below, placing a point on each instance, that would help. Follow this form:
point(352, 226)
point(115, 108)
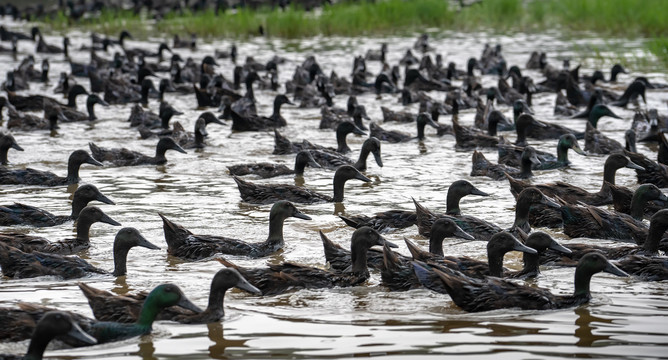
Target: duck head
point(209, 118)
point(167, 143)
point(441, 229)
point(285, 209)
point(167, 295)
point(51, 325)
point(540, 241)
point(92, 214)
point(372, 145)
point(569, 141)
point(228, 278)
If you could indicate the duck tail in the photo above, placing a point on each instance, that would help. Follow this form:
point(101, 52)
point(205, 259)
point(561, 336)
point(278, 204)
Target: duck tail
point(350, 222)
point(479, 164)
point(175, 235)
point(516, 186)
point(227, 263)
point(282, 145)
point(424, 218)
point(390, 259)
point(332, 250)
point(95, 151)
point(416, 252)
point(427, 277)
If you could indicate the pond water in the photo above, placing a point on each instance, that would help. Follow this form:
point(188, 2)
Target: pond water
point(625, 319)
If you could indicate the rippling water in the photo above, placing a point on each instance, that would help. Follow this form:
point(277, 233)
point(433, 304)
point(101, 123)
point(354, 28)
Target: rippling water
point(625, 319)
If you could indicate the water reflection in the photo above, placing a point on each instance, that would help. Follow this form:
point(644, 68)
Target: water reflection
point(584, 330)
point(339, 208)
point(217, 350)
point(120, 285)
point(146, 348)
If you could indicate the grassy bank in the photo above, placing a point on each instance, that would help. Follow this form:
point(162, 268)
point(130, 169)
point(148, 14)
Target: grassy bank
point(619, 18)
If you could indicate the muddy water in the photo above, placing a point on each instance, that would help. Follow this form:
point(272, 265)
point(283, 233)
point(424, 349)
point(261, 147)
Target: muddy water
point(625, 319)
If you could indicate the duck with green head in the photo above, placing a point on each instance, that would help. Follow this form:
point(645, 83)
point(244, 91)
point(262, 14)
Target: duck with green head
point(483, 167)
point(475, 295)
point(511, 155)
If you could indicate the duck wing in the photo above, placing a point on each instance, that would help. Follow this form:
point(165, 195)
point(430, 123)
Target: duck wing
point(383, 221)
point(18, 213)
point(264, 170)
point(269, 194)
point(593, 222)
point(597, 143)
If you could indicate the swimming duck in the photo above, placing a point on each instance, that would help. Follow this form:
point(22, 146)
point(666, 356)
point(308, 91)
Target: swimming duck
point(474, 295)
point(51, 325)
point(18, 264)
point(333, 160)
point(27, 122)
point(74, 115)
point(527, 126)
point(267, 194)
point(511, 155)
point(118, 94)
point(184, 244)
point(652, 172)
point(36, 102)
point(29, 215)
point(595, 141)
point(259, 123)
point(469, 138)
point(398, 116)
point(621, 201)
point(483, 167)
point(277, 279)
point(267, 170)
point(43, 47)
point(637, 88)
point(593, 222)
point(423, 119)
point(456, 191)
point(107, 306)
point(149, 120)
point(284, 146)
point(31, 176)
point(331, 117)
point(7, 142)
point(125, 157)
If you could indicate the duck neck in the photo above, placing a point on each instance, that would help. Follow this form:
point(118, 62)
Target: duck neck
point(328, 99)
point(525, 168)
point(216, 300)
point(276, 230)
point(249, 89)
point(357, 119)
point(495, 262)
point(361, 161)
point(562, 154)
point(83, 228)
point(609, 178)
point(91, 111)
point(521, 135)
point(342, 145)
point(149, 311)
point(452, 203)
point(199, 139)
point(338, 188)
point(436, 244)
point(165, 118)
point(37, 346)
point(638, 203)
point(72, 100)
point(531, 262)
point(3, 154)
point(78, 203)
point(582, 280)
point(160, 155)
point(358, 256)
point(73, 172)
point(144, 95)
point(521, 214)
point(277, 110)
point(654, 237)
point(420, 129)
point(120, 260)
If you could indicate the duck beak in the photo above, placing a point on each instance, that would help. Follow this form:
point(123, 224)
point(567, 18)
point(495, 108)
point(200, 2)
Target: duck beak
point(312, 163)
point(558, 247)
point(632, 165)
point(92, 161)
point(102, 102)
point(300, 215)
point(77, 333)
point(16, 146)
point(578, 150)
point(358, 131)
point(178, 148)
point(613, 115)
point(523, 248)
point(376, 155)
point(526, 108)
point(612, 269)
point(383, 241)
point(432, 123)
point(107, 220)
point(62, 116)
point(549, 202)
point(360, 176)
point(476, 191)
point(662, 197)
point(462, 234)
point(187, 304)
point(203, 131)
point(538, 123)
point(534, 159)
point(103, 199)
point(243, 284)
point(147, 244)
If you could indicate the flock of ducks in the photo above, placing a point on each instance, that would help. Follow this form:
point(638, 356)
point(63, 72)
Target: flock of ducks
point(127, 79)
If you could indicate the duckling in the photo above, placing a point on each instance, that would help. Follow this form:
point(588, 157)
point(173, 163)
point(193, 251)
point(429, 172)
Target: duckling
point(284, 146)
point(107, 306)
point(29, 215)
point(184, 244)
point(51, 325)
point(423, 120)
point(7, 142)
point(74, 115)
point(268, 170)
point(277, 279)
point(18, 264)
point(267, 194)
point(593, 222)
point(482, 167)
point(511, 155)
point(31, 176)
point(475, 295)
point(595, 141)
point(456, 191)
point(125, 157)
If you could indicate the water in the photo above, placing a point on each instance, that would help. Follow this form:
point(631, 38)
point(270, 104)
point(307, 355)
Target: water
point(625, 319)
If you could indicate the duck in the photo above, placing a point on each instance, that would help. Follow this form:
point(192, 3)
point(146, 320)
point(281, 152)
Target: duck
point(397, 116)
point(635, 89)
point(528, 126)
point(652, 172)
point(20, 214)
point(125, 157)
point(283, 146)
point(7, 142)
point(457, 190)
point(260, 123)
point(31, 176)
point(423, 119)
point(51, 325)
point(333, 160)
point(184, 244)
point(74, 115)
point(589, 221)
point(28, 122)
point(267, 194)
point(476, 295)
point(150, 120)
point(107, 306)
point(43, 47)
point(622, 198)
point(190, 140)
point(511, 155)
point(267, 170)
point(18, 264)
point(36, 102)
point(468, 138)
point(595, 141)
point(121, 94)
point(483, 167)
point(279, 278)
point(331, 117)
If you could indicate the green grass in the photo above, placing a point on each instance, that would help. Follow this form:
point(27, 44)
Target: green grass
point(613, 18)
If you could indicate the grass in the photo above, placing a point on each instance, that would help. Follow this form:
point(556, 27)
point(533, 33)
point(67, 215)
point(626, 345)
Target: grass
point(615, 18)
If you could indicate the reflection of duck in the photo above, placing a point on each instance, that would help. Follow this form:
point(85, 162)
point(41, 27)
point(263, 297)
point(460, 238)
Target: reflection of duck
point(184, 244)
point(474, 295)
point(270, 193)
point(30, 176)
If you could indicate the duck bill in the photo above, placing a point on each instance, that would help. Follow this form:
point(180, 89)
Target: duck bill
point(558, 247)
point(358, 131)
point(385, 242)
point(376, 156)
point(216, 121)
point(147, 244)
point(613, 115)
point(662, 198)
point(92, 161)
point(549, 202)
point(632, 165)
point(77, 333)
point(187, 304)
point(62, 117)
point(103, 199)
point(243, 284)
point(463, 234)
point(538, 123)
point(178, 148)
point(432, 123)
point(523, 248)
point(108, 220)
point(360, 176)
point(102, 102)
point(526, 109)
point(578, 150)
point(534, 159)
point(612, 269)
point(203, 132)
point(300, 215)
point(476, 191)
point(16, 146)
